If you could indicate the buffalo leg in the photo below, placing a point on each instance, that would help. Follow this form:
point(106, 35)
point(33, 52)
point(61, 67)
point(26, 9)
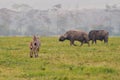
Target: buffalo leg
point(81, 44)
point(72, 43)
point(106, 40)
point(88, 44)
point(95, 41)
point(92, 41)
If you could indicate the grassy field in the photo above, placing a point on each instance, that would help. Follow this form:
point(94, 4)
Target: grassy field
point(58, 60)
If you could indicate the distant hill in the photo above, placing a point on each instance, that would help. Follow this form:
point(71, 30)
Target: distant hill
point(56, 22)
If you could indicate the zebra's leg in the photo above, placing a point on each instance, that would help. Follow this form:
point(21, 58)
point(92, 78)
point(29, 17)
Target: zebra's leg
point(31, 53)
point(36, 53)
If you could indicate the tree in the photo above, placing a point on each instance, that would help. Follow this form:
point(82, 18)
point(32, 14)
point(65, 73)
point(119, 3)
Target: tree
point(21, 7)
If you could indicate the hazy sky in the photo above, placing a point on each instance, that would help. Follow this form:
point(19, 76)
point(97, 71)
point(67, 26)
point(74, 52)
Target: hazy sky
point(67, 4)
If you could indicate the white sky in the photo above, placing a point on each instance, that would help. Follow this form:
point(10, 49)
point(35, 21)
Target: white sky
point(67, 4)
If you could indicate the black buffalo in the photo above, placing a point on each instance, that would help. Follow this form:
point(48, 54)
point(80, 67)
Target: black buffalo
point(74, 35)
point(101, 35)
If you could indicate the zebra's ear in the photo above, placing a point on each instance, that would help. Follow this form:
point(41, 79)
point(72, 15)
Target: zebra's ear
point(34, 37)
point(37, 36)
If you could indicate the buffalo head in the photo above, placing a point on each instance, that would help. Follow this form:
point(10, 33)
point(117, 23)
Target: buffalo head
point(62, 38)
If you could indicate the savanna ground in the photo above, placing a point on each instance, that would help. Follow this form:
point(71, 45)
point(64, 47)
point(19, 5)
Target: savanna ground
point(58, 60)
